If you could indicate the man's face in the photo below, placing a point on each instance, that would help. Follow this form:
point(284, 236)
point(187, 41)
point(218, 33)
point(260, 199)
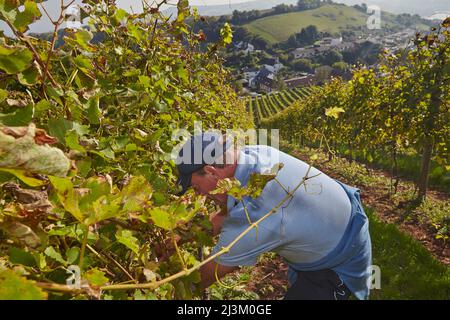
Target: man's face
point(205, 183)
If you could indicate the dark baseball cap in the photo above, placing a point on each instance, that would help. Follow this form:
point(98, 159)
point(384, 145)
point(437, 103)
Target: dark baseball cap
point(198, 151)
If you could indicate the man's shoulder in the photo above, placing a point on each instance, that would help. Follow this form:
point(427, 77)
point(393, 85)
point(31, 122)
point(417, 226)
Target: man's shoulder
point(260, 147)
point(263, 153)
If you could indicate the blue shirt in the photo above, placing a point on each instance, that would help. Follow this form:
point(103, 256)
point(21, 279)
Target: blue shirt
point(323, 226)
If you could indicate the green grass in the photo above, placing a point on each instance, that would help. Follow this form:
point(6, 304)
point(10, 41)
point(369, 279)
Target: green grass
point(408, 271)
point(333, 18)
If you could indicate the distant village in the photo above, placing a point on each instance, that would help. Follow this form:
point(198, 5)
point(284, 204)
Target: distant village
point(265, 78)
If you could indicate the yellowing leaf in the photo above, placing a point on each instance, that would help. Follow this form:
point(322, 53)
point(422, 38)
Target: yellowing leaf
point(226, 34)
point(66, 195)
point(96, 277)
point(446, 22)
point(334, 112)
point(22, 175)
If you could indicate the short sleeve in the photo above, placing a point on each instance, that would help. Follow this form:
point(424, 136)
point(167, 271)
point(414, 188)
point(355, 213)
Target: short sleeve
point(245, 251)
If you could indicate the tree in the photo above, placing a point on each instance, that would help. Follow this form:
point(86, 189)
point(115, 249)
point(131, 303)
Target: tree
point(308, 4)
point(241, 34)
point(281, 8)
point(292, 41)
point(305, 37)
point(303, 65)
point(341, 65)
point(429, 91)
point(331, 56)
point(260, 43)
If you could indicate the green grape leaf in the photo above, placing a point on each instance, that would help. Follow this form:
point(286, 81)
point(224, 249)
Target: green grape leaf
point(93, 110)
point(41, 107)
point(59, 127)
point(15, 287)
point(29, 77)
point(72, 255)
point(55, 255)
point(71, 139)
point(21, 117)
point(28, 15)
point(161, 218)
point(15, 60)
point(126, 238)
point(3, 95)
point(20, 256)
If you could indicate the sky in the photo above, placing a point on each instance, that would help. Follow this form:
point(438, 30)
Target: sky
point(52, 6)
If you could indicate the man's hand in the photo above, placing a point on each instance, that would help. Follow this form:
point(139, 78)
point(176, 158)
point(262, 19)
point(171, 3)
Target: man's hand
point(207, 273)
point(217, 220)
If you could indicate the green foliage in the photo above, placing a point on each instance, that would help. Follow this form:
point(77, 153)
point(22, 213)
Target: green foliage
point(398, 108)
point(16, 287)
point(15, 60)
point(87, 125)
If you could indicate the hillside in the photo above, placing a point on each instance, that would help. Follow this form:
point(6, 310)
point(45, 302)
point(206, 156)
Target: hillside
point(333, 18)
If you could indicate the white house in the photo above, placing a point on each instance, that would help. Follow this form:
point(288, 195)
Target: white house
point(245, 47)
point(274, 68)
point(250, 48)
point(331, 42)
point(250, 73)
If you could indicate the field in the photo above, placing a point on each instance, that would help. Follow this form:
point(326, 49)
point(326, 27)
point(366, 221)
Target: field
point(268, 105)
point(331, 18)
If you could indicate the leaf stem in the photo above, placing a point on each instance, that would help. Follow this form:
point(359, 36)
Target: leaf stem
point(83, 247)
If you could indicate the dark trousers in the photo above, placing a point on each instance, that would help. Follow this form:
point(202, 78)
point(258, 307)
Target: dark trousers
point(318, 285)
